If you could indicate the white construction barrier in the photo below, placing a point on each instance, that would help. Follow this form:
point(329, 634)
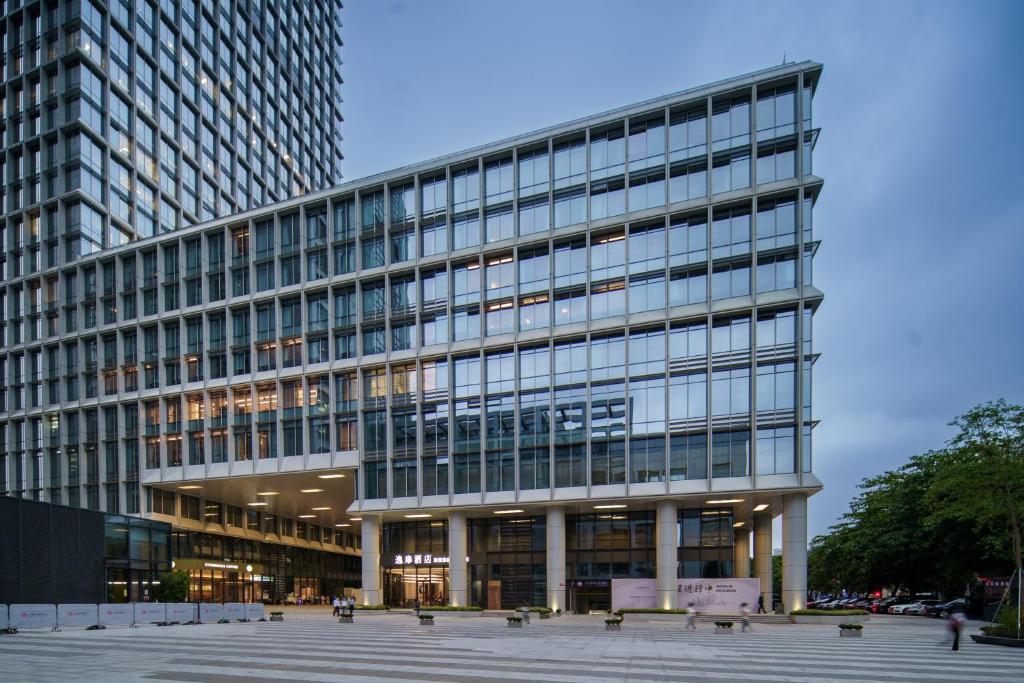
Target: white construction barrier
point(149, 612)
point(235, 611)
point(3, 616)
point(33, 616)
point(77, 615)
point(116, 614)
point(254, 611)
point(211, 612)
point(181, 611)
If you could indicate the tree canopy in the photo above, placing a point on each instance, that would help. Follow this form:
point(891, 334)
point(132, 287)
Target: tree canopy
point(937, 521)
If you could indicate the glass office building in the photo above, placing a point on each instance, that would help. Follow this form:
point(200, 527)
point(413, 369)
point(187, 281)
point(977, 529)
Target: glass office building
point(514, 373)
point(125, 119)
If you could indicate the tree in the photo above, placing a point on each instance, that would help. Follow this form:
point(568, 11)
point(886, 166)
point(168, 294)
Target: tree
point(173, 587)
point(981, 482)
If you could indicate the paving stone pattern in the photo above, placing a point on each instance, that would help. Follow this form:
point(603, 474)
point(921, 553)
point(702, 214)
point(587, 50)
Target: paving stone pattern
point(461, 650)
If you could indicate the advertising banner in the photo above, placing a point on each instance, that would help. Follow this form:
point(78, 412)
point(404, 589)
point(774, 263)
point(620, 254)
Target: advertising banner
point(234, 611)
point(718, 596)
point(149, 612)
point(210, 612)
point(181, 612)
point(634, 594)
point(711, 596)
point(77, 615)
point(33, 616)
point(116, 614)
point(254, 611)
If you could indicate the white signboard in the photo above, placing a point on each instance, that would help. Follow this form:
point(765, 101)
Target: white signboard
point(149, 612)
point(116, 614)
point(234, 611)
point(33, 616)
point(710, 596)
point(718, 596)
point(634, 594)
point(254, 611)
point(77, 615)
point(3, 616)
point(210, 612)
point(181, 612)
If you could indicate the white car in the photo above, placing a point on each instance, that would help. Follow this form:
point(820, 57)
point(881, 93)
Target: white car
point(902, 609)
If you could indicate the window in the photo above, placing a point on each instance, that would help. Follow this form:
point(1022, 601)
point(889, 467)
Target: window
point(688, 456)
point(730, 453)
point(465, 190)
point(434, 237)
point(776, 388)
point(499, 224)
point(466, 231)
point(688, 398)
point(776, 328)
point(607, 154)
point(776, 272)
point(647, 430)
point(646, 293)
point(570, 163)
point(730, 335)
point(688, 286)
point(607, 199)
point(570, 263)
point(570, 208)
point(687, 134)
point(776, 223)
point(730, 171)
point(776, 450)
point(730, 123)
point(776, 161)
point(688, 181)
point(730, 392)
point(730, 232)
point(646, 143)
point(434, 195)
point(533, 172)
point(646, 248)
point(607, 358)
point(729, 280)
point(498, 179)
point(535, 365)
point(776, 112)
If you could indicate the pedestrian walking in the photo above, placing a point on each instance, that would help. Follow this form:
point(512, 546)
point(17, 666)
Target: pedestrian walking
point(760, 605)
point(526, 614)
point(744, 617)
point(336, 601)
point(691, 616)
point(956, 625)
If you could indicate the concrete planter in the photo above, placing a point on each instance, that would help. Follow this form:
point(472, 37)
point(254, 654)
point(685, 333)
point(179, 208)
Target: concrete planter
point(850, 633)
point(613, 627)
point(515, 624)
point(723, 629)
point(997, 640)
point(829, 620)
point(277, 617)
point(426, 622)
point(545, 615)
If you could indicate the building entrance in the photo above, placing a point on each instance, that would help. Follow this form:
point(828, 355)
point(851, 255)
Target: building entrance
point(404, 585)
point(592, 595)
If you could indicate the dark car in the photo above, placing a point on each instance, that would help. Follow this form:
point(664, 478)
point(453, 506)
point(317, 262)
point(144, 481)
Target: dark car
point(944, 609)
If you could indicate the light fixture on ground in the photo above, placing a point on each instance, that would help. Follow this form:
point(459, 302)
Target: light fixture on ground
point(507, 512)
point(725, 501)
point(311, 490)
point(762, 506)
point(616, 506)
point(330, 476)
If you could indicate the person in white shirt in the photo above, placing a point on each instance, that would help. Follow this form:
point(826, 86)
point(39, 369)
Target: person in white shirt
point(744, 617)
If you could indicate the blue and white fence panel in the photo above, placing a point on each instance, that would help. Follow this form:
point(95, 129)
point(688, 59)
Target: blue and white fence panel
point(211, 612)
point(3, 616)
point(116, 614)
point(149, 612)
point(77, 615)
point(32, 616)
point(235, 611)
point(254, 611)
point(182, 611)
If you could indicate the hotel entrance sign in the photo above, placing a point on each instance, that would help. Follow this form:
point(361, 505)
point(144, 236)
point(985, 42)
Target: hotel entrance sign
point(427, 559)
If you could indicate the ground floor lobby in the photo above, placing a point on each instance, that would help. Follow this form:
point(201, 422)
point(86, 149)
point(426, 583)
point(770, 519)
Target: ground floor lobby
point(667, 555)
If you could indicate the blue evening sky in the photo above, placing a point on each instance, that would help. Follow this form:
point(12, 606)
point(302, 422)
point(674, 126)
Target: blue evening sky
point(922, 215)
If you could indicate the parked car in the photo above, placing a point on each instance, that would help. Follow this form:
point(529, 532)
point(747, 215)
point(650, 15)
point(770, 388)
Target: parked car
point(944, 609)
point(920, 607)
point(902, 607)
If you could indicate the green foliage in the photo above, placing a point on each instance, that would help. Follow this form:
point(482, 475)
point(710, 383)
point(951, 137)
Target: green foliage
point(851, 627)
point(515, 620)
point(372, 607)
point(723, 624)
point(936, 521)
point(173, 587)
point(426, 617)
point(776, 576)
point(829, 612)
point(649, 610)
point(613, 621)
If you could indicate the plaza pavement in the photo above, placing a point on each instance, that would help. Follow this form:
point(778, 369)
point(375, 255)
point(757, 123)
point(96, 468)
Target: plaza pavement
point(311, 646)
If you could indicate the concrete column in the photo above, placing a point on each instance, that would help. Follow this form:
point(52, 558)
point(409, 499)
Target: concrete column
point(763, 556)
point(794, 551)
point(741, 554)
point(667, 562)
point(458, 585)
point(370, 528)
point(556, 558)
